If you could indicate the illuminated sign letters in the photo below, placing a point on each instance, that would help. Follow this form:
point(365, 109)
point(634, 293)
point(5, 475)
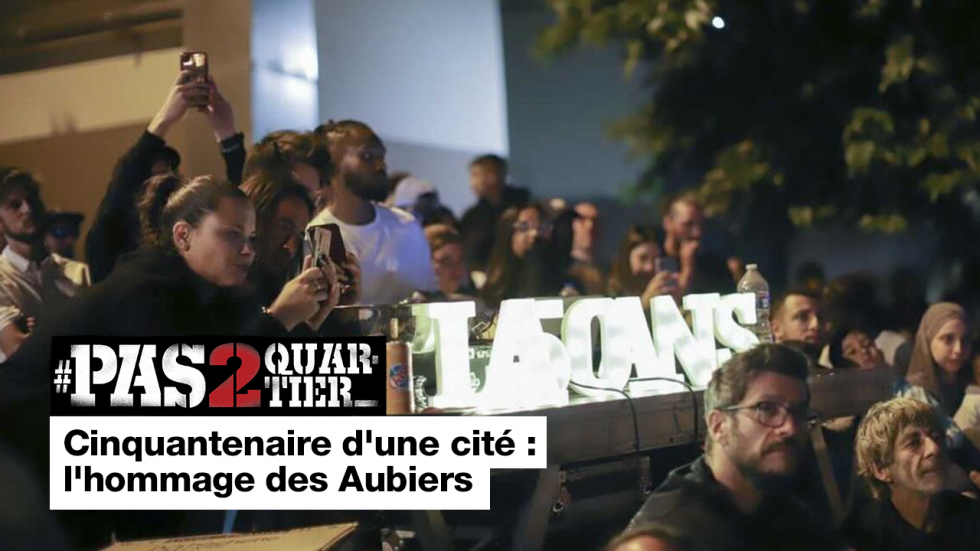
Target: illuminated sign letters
point(529, 367)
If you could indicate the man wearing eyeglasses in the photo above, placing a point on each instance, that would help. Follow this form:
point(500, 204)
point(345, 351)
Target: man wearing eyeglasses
point(735, 496)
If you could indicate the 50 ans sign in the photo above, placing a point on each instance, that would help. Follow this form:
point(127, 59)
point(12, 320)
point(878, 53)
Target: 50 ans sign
point(531, 368)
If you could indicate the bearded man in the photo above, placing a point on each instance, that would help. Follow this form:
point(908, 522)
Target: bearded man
point(735, 496)
point(389, 243)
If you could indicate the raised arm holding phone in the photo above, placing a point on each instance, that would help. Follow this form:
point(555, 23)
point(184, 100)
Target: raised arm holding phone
point(115, 229)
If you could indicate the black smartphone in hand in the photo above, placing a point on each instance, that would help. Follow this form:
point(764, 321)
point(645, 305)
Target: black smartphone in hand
point(196, 63)
point(327, 243)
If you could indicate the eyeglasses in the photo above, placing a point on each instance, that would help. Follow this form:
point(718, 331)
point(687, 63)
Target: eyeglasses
point(774, 414)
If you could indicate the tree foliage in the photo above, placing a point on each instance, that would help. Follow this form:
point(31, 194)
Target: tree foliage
point(800, 111)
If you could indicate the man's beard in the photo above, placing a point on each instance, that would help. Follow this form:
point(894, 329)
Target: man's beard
point(767, 482)
point(369, 190)
point(31, 238)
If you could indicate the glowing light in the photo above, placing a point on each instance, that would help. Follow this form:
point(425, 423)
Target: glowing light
point(730, 333)
point(717, 22)
point(451, 339)
point(576, 328)
point(629, 321)
point(540, 379)
point(673, 339)
point(702, 309)
point(530, 368)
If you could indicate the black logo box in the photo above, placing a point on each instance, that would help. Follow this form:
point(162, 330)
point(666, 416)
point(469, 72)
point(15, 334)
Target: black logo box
point(367, 391)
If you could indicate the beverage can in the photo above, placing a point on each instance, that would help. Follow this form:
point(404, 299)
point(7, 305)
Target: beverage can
point(398, 367)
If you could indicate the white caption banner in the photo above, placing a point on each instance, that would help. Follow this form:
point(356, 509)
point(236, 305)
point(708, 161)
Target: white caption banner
point(211, 476)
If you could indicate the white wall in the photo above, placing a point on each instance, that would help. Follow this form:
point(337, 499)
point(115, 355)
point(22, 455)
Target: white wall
point(427, 75)
point(284, 66)
point(559, 112)
point(83, 97)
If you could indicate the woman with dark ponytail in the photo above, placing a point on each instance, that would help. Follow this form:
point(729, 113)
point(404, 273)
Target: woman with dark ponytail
point(188, 278)
point(206, 228)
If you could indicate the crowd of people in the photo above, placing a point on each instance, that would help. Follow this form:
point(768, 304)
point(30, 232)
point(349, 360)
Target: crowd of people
point(916, 489)
point(170, 254)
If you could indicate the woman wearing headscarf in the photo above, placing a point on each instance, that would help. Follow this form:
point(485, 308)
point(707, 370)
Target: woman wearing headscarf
point(936, 375)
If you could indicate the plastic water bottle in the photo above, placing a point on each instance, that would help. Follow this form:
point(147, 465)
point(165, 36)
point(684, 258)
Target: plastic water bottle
point(753, 282)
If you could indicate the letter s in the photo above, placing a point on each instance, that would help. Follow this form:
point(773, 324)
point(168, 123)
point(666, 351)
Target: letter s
point(186, 374)
point(463, 482)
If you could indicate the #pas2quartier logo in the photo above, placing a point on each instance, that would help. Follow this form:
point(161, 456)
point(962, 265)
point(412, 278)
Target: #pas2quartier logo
point(209, 375)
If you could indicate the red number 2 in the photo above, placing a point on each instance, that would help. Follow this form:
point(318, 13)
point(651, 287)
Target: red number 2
point(226, 395)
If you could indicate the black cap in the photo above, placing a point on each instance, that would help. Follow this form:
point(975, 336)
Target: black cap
point(64, 219)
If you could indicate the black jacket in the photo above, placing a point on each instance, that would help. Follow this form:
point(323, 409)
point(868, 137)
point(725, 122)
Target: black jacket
point(691, 501)
point(877, 526)
point(151, 293)
point(116, 227)
point(478, 227)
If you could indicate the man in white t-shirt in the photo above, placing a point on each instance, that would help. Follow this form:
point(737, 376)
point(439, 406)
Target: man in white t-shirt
point(389, 243)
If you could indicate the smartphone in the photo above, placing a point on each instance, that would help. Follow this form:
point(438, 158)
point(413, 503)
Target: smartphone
point(196, 63)
point(327, 243)
point(667, 264)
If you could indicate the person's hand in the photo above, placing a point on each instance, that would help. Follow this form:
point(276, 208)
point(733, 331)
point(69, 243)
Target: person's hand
point(333, 297)
point(840, 424)
point(186, 92)
point(300, 298)
point(349, 277)
point(688, 254)
point(664, 283)
point(220, 114)
point(687, 258)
